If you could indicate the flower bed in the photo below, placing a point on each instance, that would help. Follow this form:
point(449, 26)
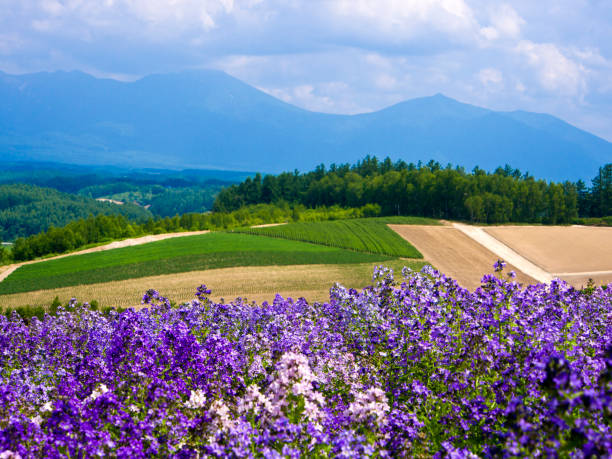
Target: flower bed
point(422, 368)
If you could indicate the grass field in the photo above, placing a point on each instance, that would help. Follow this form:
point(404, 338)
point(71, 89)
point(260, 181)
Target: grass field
point(191, 253)
point(256, 283)
point(370, 235)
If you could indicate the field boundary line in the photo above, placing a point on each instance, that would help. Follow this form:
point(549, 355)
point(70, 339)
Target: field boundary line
point(102, 248)
point(504, 252)
point(585, 273)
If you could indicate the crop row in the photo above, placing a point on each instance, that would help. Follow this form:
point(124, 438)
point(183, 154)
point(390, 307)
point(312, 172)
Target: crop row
point(370, 235)
point(190, 253)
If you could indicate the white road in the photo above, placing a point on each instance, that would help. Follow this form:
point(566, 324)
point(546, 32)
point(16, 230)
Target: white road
point(505, 253)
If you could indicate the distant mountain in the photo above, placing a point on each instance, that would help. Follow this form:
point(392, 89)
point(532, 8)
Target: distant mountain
point(208, 119)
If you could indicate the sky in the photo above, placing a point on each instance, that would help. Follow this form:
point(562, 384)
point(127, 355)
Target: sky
point(338, 56)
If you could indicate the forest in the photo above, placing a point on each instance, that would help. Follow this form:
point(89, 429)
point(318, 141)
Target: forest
point(29, 209)
point(430, 190)
point(164, 193)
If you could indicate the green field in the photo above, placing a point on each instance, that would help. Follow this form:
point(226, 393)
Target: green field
point(182, 254)
point(369, 235)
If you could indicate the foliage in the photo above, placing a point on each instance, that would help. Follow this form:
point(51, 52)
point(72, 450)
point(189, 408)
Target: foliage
point(176, 255)
point(27, 210)
point(594, 221)
point(596, 202)
point(94, 230)
point(429, 190)
point(163, 201)
point(364, 235)
point(420, 369)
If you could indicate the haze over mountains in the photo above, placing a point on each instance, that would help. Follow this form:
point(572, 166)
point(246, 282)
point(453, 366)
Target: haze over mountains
point(208, 119)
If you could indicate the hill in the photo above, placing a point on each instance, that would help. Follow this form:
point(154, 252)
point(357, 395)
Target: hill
point(208, 119)
point(28, 209)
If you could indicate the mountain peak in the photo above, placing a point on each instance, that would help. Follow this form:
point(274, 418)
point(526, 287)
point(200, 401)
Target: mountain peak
point(204, 118)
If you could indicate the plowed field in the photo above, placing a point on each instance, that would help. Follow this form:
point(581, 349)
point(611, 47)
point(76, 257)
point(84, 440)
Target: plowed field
point(454, 253)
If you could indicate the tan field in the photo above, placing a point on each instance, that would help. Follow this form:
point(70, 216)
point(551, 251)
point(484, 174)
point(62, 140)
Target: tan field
point(573, 253)
point(454, 253)
point(560, 249)
point(256, 283)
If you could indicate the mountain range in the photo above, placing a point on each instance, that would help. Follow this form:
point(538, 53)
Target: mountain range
point(207, 119)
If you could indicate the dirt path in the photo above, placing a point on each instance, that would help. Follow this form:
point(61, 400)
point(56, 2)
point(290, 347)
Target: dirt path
point(454, 253)
point(8, 270)
point(268, 225)
point(504, 252)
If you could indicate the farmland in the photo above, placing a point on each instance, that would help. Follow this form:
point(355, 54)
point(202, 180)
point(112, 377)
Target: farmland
point(256, 283)
point(207, 251)
point(370, 235)
point(575, 254)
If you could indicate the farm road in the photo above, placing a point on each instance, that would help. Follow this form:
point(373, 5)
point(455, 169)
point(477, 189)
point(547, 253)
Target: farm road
point(537, 253)
point(6, 271)
point(454, 253)
point(504, 252)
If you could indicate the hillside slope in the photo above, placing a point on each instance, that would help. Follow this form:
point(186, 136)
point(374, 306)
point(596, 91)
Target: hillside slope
point(28, 209)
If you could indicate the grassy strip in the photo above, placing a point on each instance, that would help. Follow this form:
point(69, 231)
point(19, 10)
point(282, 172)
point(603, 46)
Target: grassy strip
point(370, 235)
point(257, 283)
point(190, 253)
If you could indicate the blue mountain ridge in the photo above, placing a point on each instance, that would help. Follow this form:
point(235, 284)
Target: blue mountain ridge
point(206, 119)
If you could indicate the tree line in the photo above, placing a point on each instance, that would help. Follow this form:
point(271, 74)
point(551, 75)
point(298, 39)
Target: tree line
point(102, 228)
point(430, 190)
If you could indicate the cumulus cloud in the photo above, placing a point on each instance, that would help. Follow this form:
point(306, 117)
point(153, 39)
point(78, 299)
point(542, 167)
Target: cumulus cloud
point(505, 22)
point(555, 71)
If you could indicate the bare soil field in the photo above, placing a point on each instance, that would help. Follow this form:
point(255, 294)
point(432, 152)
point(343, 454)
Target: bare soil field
point(573, 253)
point(256, 283)
point(454, 253)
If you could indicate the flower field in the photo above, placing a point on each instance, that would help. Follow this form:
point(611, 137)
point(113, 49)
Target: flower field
point(412, 368)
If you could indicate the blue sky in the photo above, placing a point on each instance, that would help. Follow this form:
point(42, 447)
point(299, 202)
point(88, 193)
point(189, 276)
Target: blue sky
point(338, 56)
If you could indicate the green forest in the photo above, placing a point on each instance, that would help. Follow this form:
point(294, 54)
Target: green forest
point(29, 209)
point(164, 193)
point(430, 190)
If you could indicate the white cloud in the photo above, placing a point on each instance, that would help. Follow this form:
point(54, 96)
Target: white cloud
point(490, 76)
point(307, 96)
point(398, 20)
point(555, 71)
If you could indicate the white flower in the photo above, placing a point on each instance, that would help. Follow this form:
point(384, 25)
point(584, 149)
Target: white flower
point(46, 407)
point(134, 409)
point(221, 415)
point(37, 420)
point(372, 403)
point(97, 393)
point(197, 399)
point(7, 454)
